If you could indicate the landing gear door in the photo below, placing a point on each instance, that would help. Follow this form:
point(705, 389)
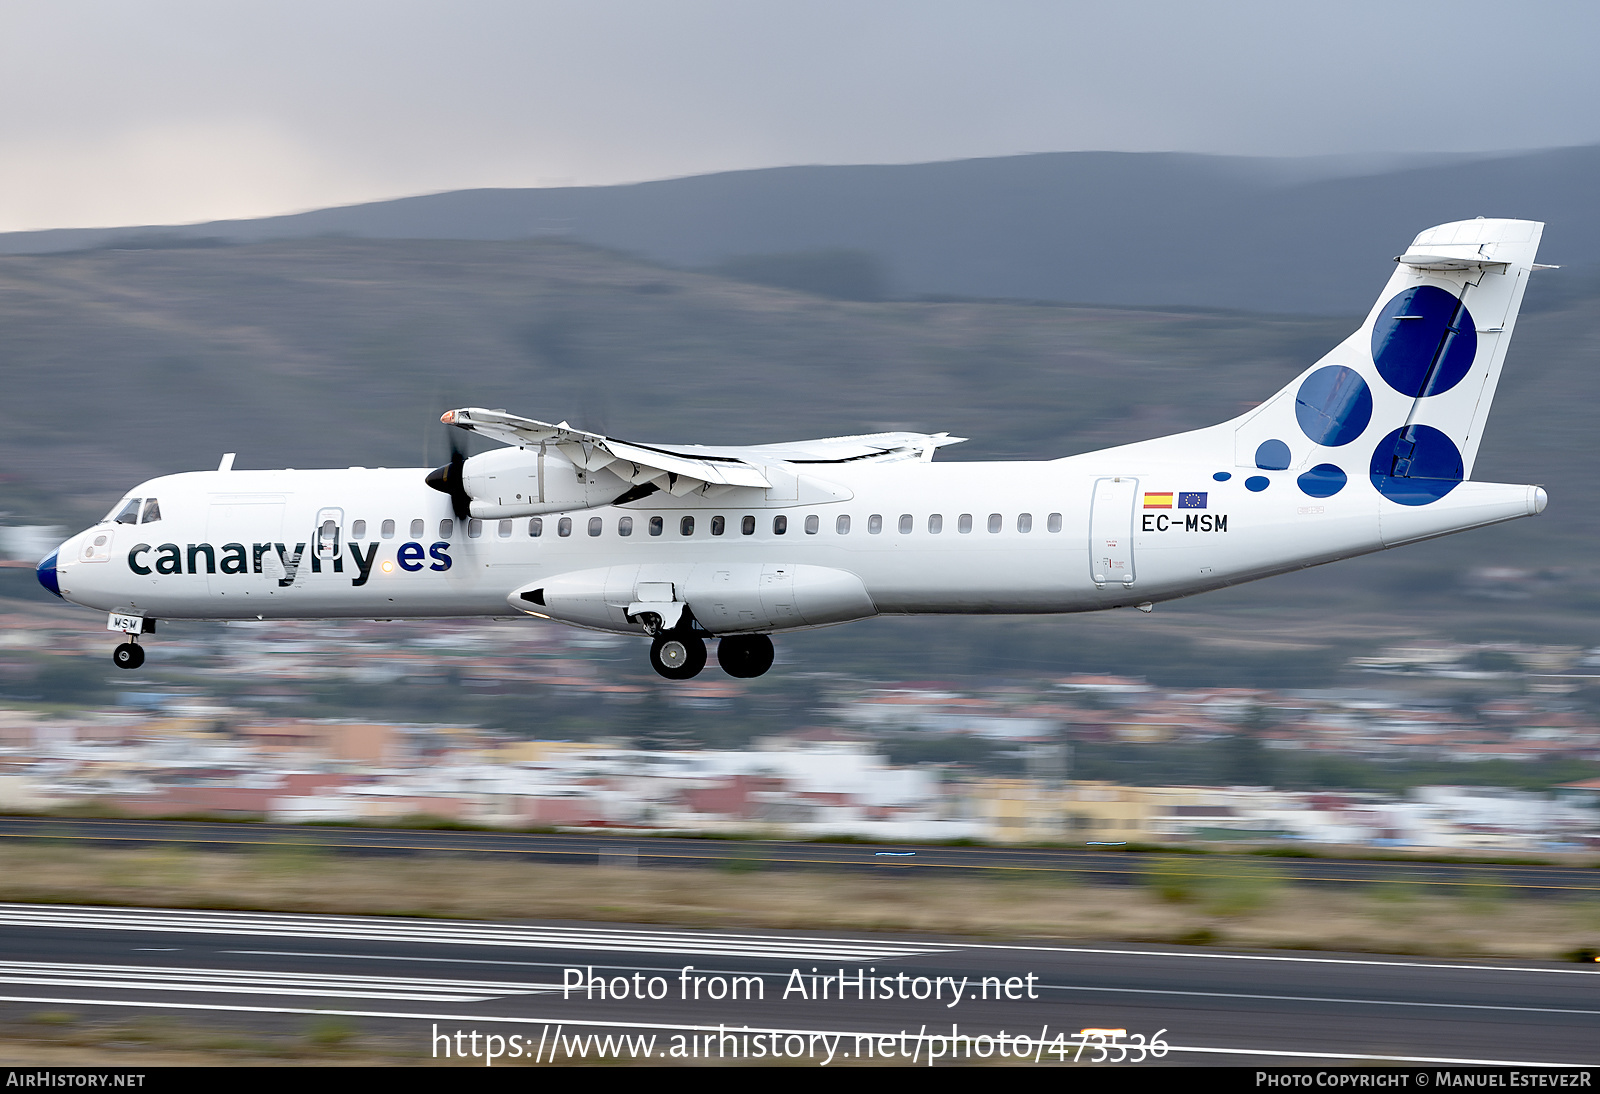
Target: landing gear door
point(1111, 531)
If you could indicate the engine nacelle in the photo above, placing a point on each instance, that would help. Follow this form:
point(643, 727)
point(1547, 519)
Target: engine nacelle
point(526, 482)
point(724, 598)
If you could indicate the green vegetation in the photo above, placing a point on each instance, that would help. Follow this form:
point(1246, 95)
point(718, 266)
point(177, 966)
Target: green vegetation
point(1220, 887)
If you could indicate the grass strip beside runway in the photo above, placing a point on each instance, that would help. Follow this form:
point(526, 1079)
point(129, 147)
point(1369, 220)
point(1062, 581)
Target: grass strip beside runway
point(1226, 903)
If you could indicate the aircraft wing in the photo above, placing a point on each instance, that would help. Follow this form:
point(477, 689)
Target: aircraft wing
point(682, 469)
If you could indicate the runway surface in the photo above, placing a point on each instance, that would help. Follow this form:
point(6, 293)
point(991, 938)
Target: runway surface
point(904, 997)
point(1106, 865)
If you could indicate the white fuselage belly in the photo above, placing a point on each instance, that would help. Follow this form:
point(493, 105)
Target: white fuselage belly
point(1205, 535)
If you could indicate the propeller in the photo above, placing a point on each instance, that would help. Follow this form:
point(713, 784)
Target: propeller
point(451, 478)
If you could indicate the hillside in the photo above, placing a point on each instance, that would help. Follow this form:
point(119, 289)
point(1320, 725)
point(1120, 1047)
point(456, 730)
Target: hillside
point(334, 352)
point(1084, 227)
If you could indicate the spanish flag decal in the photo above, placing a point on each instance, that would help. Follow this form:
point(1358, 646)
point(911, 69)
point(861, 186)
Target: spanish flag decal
point(1158, 501)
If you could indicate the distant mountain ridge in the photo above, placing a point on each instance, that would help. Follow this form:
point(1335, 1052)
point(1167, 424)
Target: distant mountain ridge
point(1160, 229)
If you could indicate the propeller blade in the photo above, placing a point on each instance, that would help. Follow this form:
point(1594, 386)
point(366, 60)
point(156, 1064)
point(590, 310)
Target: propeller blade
point(451, 478)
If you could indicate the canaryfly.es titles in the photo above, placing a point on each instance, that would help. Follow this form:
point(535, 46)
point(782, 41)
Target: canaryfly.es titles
point(236, 558)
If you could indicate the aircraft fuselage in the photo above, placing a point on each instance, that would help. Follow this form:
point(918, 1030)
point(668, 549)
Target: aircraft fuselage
point(962, 538)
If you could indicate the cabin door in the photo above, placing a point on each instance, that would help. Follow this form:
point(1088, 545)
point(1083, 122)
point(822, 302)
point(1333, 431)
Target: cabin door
point(1111, 516)
point(244, 530)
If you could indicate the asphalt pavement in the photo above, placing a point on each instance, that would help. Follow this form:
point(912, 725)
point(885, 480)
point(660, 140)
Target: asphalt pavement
point(516, 994)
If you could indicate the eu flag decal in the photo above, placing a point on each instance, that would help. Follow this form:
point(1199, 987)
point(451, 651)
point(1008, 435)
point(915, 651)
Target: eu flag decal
point(1192, 500)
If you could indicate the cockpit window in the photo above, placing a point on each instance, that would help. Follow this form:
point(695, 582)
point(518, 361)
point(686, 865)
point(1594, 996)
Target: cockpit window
point(129, 513)
point(152, 511)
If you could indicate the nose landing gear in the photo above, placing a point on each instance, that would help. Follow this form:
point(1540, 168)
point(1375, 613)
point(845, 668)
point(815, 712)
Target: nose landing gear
point(127, 656)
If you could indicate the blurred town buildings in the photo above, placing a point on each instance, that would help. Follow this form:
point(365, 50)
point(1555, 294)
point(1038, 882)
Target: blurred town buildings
point(168, 744)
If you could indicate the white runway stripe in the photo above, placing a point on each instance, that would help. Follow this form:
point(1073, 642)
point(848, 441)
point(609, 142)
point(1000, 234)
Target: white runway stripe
point(254, 982)
point(453, 932)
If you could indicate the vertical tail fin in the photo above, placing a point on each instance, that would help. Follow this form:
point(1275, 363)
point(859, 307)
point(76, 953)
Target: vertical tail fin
point(1404, 399)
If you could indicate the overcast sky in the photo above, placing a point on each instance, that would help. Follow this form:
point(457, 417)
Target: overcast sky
point(170, 112)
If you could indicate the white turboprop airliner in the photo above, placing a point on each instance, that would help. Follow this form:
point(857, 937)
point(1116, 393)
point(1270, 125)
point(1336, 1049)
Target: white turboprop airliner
point(1369, 448)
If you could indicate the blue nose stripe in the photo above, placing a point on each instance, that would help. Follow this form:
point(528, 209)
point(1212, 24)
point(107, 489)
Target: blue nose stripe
point(47, 574)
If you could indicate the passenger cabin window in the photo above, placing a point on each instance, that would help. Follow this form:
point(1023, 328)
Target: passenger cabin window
point(505, 529)
point(780, 525)
point(416, 528)
point(747, 526)
point(624, 526)
point(358, 529)
point(474, 528)
point(964, 523)
point(596, 526)
point(387, 529)
point(564, 526)
point(129, 513)
point(717, 525)
point(995, 521)
point(686, 526)
point(875, 524)
point(1054, 522)
point(1024, 522)
point(657, 525)
point(152, 511)
point(842, 525)
point(447, 528)
point(328, 538)
point(536, 527)
point(935, 523)
point(812, 524)
point(905, 524)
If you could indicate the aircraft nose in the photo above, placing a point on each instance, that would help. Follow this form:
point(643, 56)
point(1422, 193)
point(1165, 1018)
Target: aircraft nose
point(46, 572)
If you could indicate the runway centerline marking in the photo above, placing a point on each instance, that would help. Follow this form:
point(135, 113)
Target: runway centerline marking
point(460, 932)
point(258, 982)
point(631, 967)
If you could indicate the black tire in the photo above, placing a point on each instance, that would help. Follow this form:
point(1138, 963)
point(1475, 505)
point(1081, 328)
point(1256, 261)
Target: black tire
point(678, 656)
point(127, 656)
point(745, 655)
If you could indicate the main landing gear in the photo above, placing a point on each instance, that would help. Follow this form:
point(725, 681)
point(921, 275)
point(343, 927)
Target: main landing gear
point(678, 655)
point(128, 656)
point(745, 655)
point(681, 654)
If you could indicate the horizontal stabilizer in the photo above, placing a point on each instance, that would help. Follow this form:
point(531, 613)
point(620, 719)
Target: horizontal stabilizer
point(1420, 260)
